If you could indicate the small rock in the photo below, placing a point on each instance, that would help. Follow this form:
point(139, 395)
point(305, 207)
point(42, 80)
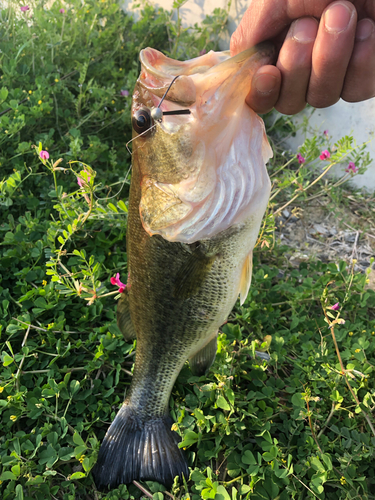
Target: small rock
point(349, 237)
point(286, 213)
point(364, 263)
point(320, 229)
point(323, 257)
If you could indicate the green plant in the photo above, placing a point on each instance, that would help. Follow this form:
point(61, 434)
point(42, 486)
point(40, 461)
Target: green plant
point(297, 426)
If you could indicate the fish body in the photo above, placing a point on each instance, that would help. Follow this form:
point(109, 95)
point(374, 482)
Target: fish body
point(198, 193)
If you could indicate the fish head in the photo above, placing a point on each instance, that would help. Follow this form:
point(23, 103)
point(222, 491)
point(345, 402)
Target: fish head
point(199, 150)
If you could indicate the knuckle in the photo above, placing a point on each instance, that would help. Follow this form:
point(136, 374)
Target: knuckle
point(289, 108)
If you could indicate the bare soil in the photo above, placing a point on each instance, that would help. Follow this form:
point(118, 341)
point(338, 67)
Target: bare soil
point(317, 231)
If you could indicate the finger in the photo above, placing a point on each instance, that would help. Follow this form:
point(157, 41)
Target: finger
point(265, 20)
point(265, 87)
point(294, 64)
point(331, 54)
point(360, 77)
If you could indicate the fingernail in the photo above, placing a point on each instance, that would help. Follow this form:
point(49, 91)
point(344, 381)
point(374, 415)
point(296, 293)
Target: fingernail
point(364, 30)
point(337, 18)
point(304, 30)
point(265, 84)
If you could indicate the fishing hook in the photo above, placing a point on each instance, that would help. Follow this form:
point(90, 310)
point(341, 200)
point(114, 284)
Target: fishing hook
point(157, 113)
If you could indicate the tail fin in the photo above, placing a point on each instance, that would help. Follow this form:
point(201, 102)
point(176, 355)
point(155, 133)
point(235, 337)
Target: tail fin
point(137, 449)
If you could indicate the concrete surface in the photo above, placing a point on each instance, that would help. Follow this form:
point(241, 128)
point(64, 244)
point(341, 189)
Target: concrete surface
point(341, 119)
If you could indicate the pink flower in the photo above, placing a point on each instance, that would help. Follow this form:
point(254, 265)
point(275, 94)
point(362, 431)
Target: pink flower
point(202, 52)
point(325, 133)
point(25, 8)
point(44, 155)
point(351, 168)
point(62, 11)
point(82, 182)
point(324, 155)
point(335, 307)
point(300, 159)
point(124, 93)
point(116, 281)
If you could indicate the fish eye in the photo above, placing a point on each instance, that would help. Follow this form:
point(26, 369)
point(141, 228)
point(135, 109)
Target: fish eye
point(142, 121)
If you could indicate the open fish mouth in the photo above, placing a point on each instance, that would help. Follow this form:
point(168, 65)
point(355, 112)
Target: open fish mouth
point(202, 75)
point(216, 176)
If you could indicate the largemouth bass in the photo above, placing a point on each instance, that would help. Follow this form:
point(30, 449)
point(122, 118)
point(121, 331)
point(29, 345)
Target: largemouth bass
point(199, 189)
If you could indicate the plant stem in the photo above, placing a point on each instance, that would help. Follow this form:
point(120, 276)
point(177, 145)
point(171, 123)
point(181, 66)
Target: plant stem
point(311, 426)
point(343, 372)
point(328, 420)
point(144, 491)
point(22, 360)
point(63, 370)
point(305, 189)
point(59, 419)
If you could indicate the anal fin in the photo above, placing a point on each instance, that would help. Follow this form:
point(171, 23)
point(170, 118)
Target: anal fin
point(124, 321)
point(245, 281)
point(201, 361)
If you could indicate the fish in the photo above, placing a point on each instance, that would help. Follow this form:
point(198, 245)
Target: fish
point(199, 190)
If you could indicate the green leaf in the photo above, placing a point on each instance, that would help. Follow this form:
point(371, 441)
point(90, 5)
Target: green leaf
point(112, 207)
point(222, 494)
point(66, 453)
point(7, 360)
point(253, 470)
point(244, 488)
point(74, 387)
point(189, 438)
point(7, 475)
point(16, 469)
point(78, 440)
point(248, 458)
point(271, 454)
point(230, 395)
point(77, 475)
point(122, 206)
point(222, 403)
point(336, 396)
point(327, 460)
point(41, 303)
point(281, 473)
point(19, 492)
point(298, 400)
point(317, 464)
point(3, 93)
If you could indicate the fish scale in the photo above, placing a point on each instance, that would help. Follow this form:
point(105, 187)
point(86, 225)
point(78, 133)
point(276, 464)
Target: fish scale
point(179, 293)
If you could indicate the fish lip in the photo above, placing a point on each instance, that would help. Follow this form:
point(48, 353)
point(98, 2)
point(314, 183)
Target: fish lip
point(159, 70)
point(147, 56)
point(157, 82)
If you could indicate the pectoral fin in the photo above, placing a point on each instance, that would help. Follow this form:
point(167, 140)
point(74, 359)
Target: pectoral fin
point(124, 321)
point(203, 359)
point(192, 274)
point(246, 277)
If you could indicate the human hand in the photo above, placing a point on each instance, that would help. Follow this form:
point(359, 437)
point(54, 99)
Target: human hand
point(326, 51)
